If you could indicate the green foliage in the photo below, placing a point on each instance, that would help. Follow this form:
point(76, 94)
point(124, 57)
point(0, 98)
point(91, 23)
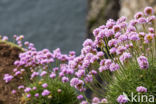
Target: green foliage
point(129, 79)
point(66, 96)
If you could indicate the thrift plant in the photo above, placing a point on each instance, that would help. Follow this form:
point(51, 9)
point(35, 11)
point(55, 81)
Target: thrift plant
point(50, 91)
point(118, 62)
point(46, 75)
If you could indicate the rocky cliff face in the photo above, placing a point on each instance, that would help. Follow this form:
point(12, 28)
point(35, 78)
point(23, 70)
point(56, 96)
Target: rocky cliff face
point(130, 7)
point(8, 54)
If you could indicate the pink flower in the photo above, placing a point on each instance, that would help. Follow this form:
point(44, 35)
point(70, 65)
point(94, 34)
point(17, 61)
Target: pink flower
point(112, 42)
point(34, 88)
point(80, 97)
point(143, 62)
point(96, 31)
point(45, 92)
point(112, 50)
point(45, 85)
point(74, 81)
point(28, 89)
point(142, 20)
point(95, 100)
point(65, 79)
point(103, 68)
point(17, 73)
point(5, 38)
point(116, 28)
point(88, 78)
point(138, 15)
point(141, 89)
point(121, 19)
point(110, 23)
point(148, 38)
point(123, 38)
point(133, 36)
point(84, 102)
point(133, 22)
point(114, 67)
point(43, 73)
point(125, 56)
point(34, 74)
point(151, 18)
point(7, 78)
point(13, 91)
point(131, 28)
point(79, 85)
point(109, 32)
point(93, 72)
point(52, 75)
point(21, 87)
point(108, 62)
point(28, 95)
point(120, 50)
point(148, 11)
point(101, 34)
point(151, 30)
point(80, 73)
point(100, 54)
point(104, 100)
point(122, 99)
point(36, 95)
point(87, 42)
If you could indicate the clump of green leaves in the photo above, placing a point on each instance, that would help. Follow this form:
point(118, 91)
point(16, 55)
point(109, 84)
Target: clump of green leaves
point(60, 93)
point(129, 79)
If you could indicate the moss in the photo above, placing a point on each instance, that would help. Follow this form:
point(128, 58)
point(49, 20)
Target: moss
point(11, 44)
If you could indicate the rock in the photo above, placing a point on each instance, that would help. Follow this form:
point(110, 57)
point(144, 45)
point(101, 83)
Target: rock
point(99, 12)
point(8, 54)
point(130, 7)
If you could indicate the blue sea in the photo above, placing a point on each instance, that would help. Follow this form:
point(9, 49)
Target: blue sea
point(46, 23)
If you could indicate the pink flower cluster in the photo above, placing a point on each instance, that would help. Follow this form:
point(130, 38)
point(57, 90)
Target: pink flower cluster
point(141, 89)
point(77, 83)
point(96, 100)
point(143, 62)
point(7, 78)
point(122, 99)
point(116, 44)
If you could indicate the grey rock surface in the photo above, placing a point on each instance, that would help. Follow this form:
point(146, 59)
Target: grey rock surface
point(46, 23)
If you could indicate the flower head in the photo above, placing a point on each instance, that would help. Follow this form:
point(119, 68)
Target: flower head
point(122, 99)
point(141, 89)
point(7, 78)
point(143, 62)
point(148, 11)
point(45, 92)
point(45, 85)
point(114, 67)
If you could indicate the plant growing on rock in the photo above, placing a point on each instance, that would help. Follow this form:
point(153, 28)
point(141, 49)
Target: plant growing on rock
point(120, 60)
point(46, 76)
